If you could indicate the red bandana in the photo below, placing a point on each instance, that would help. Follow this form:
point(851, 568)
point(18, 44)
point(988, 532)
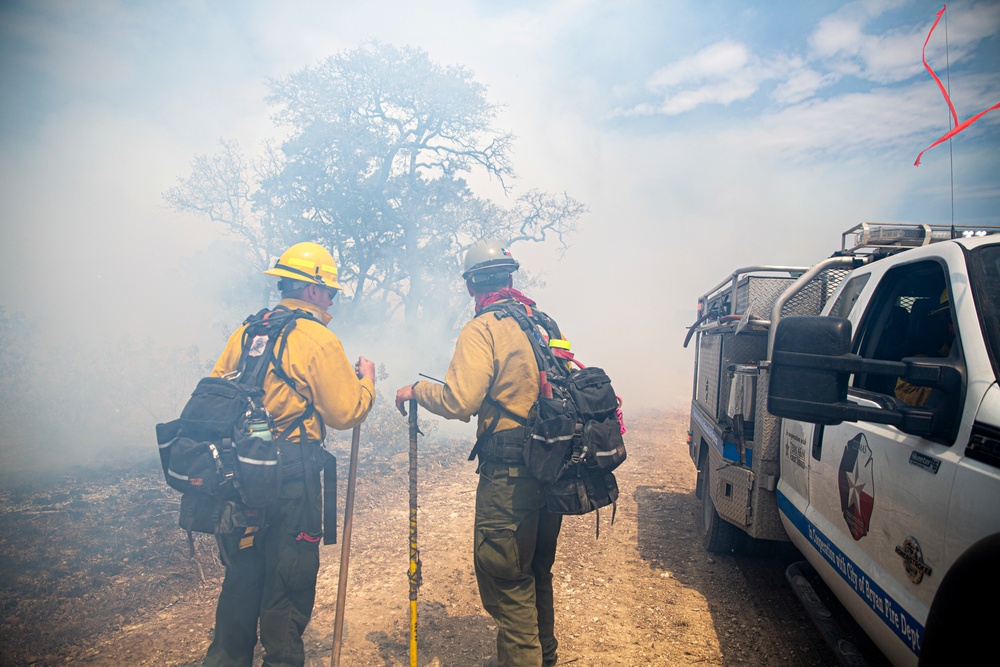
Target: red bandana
point(506, 293)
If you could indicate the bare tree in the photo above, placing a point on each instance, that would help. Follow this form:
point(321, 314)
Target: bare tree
point(221, 188)
point(381, 142)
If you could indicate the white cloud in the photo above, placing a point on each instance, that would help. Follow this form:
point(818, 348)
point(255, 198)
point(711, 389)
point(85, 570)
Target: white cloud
point(722, 73)
point(837, 35)
point(842, 48)
point(722, 60)
point(841, 43)
point(892, 120)
point(802, 82)
point(722, 92)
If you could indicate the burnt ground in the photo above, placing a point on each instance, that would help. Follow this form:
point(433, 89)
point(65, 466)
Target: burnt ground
point(95, 572)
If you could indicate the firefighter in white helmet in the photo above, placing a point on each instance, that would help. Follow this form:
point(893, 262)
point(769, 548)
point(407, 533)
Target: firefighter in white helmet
point(515, 536)
point(271, 573)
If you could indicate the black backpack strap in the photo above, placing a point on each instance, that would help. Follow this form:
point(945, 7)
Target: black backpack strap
point(252, 371)
point(280, 321)
point(544, 356)
point(276, 358)
point(300, 423)
point(282, 342)
point(491, 429)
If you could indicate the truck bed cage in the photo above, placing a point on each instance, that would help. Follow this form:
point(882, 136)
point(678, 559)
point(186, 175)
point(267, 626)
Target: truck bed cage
point(746, 298)
point(731, 283)
point(748, 293)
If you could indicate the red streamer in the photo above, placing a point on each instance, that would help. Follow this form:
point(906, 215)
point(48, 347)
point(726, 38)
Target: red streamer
point(947, 98)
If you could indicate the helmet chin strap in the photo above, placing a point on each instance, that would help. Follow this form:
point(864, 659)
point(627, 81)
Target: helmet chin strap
point(470, 285)
point(307, 277)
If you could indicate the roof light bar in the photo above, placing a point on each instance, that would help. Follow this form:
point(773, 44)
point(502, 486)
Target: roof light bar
point(896, 236)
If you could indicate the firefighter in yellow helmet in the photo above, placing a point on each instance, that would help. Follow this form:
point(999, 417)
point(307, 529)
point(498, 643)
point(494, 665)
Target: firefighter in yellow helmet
point(493, 373)
point(271, 573)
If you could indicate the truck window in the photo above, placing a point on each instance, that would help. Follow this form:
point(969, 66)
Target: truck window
point(910, 315)
point(849, 296)
point(984, 276)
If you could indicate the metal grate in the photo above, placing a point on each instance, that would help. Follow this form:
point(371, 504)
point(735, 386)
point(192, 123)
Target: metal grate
point(756, 294)
point(811, 299)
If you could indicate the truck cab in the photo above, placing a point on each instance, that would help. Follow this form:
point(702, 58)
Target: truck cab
point(890, 466)
point(853, 408)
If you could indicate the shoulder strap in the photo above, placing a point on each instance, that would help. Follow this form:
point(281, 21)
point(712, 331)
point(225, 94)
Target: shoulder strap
point(529, 321)
point(276, 324)
point(300, 423)
point(543, 354)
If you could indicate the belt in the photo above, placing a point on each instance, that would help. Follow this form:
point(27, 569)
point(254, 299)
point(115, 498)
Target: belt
point(504, 447)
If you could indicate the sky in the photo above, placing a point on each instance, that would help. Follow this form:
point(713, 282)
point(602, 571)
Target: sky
point(702, 137)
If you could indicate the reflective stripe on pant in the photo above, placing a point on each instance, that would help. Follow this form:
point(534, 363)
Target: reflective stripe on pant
point(515, 546)
point(273, 581)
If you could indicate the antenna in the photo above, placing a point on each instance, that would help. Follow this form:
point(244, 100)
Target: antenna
point(951, 154)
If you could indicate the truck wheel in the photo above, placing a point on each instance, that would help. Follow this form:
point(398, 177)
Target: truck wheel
point(952, 636)
point(758, 548)
point(717, 535)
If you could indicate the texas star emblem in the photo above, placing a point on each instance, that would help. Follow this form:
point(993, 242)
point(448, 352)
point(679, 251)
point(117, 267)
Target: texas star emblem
point(857, 486)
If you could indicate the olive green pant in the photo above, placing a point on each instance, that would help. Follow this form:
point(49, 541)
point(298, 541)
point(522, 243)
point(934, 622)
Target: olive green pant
point(272, 582)
point(515, 547)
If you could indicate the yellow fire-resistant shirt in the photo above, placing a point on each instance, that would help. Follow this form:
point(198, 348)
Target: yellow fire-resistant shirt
point(491, 357)
point(314, 358)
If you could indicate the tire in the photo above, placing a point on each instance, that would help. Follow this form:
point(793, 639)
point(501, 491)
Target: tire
point(952, 636)
point(718, 536)
point(758, 548)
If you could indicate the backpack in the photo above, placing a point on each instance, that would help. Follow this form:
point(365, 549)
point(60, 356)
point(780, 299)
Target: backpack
point(574, 440)
point(222, 453)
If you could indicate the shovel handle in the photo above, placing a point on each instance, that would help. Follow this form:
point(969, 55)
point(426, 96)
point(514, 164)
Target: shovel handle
point(345, 549)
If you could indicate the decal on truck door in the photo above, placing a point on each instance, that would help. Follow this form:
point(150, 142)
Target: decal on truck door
point(857, 486)
point(795, 443)
point(913, 559)
point(903, 624)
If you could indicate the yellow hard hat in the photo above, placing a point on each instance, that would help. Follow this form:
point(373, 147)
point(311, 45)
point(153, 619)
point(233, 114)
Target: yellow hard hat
point(308, 262)
point(944, 303)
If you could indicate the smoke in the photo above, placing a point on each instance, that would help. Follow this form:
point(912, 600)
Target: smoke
point(122, 303)
point(88, 388)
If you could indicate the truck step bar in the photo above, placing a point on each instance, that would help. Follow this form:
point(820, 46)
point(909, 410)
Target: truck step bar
point(799, 576)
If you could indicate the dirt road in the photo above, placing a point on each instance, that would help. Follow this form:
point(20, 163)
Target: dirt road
point(643, 593)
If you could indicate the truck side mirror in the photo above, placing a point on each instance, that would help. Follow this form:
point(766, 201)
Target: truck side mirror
point(811, 365)
point(802, 387)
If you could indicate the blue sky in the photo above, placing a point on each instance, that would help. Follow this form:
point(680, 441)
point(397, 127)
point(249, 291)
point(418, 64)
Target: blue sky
point(702, 136)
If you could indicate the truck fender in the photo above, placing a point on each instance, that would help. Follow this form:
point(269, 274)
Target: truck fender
point(958, 632)
point(699, 486)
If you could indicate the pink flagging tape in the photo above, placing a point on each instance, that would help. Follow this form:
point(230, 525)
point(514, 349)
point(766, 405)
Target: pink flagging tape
point(959, 127)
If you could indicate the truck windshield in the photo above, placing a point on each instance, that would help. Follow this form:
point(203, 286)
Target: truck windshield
point(984, 275)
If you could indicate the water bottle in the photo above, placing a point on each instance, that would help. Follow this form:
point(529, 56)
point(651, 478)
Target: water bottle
point(259, 428)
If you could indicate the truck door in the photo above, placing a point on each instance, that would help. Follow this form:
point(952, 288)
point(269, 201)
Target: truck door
point(878, 497)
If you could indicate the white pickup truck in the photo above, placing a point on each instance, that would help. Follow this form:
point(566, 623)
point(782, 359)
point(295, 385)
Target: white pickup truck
point(853, 408)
